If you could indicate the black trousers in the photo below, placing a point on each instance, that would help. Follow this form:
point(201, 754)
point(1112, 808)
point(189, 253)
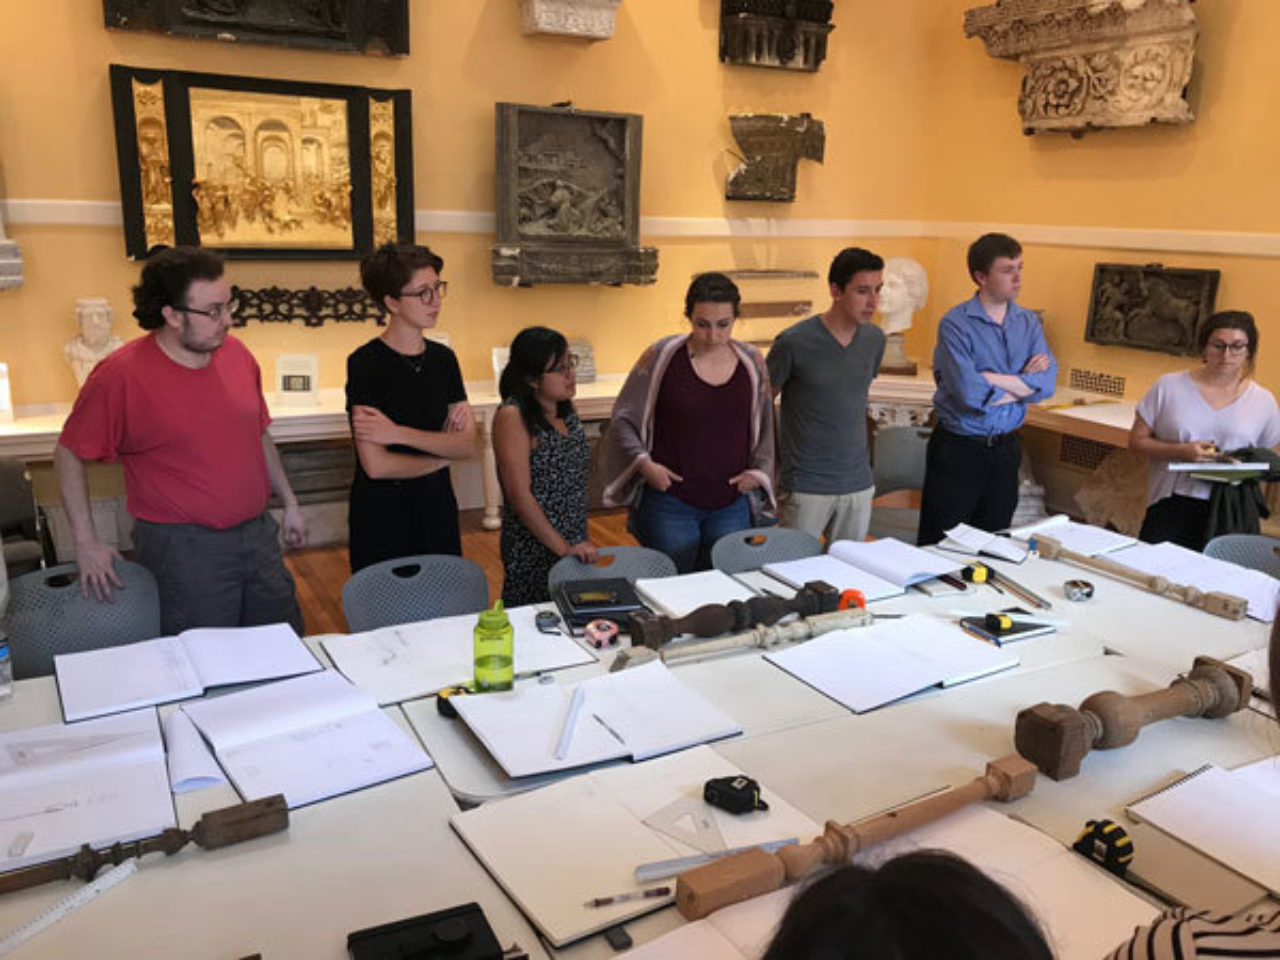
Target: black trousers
point(1178, 519)
point(971, 480)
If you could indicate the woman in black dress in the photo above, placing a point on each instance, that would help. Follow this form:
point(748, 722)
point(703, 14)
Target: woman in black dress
point(409, 416)
point(543, 461)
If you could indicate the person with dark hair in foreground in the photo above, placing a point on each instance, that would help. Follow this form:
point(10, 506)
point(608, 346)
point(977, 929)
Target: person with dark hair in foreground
point(991, 360)
point(182, 410)
point(409, 416)
point(543, 464)
point(692, 432)
point(918, 906)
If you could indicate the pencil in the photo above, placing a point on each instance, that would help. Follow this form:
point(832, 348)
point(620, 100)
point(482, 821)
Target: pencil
point(649, 894)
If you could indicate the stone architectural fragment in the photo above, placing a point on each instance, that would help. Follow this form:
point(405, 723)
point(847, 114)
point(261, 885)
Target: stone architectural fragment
point(10, 260)
point(592, 19)
point(788, 34)
point(1150, 307)
point(568, 198)
point(772, 145)
point(1093, 63)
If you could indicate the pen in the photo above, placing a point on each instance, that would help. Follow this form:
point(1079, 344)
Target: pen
point(628, 897)
point(570, 721)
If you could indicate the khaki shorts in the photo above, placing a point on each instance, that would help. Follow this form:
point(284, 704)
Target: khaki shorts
point(839, 516)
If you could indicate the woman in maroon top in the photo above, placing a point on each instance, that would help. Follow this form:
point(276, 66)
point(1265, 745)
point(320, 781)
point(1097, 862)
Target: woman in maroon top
point(692, 432)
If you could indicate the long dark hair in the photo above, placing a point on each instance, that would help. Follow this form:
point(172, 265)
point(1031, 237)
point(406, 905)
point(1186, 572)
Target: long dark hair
point(918, 906)
point(533, 351)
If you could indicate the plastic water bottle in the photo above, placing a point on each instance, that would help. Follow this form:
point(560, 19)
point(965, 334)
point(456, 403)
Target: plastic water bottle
point(6, 669)
point(494, 650)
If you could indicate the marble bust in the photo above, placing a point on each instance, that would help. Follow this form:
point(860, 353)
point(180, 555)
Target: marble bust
point(906, 289)
point(95, 339)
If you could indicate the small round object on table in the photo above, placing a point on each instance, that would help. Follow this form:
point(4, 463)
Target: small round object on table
point(601, 633)
point(1078, 590)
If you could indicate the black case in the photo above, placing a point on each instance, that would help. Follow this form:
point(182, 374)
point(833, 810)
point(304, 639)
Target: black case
point(459, 933)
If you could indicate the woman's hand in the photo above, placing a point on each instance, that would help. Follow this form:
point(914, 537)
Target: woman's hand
point(658, 476)
point(584, 551)
point(1200, 451)
point(744, 482)
point(373, 426)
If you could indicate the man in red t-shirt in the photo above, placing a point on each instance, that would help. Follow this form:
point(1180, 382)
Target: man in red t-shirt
point(182, 410)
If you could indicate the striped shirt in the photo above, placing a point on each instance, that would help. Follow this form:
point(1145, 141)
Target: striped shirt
point(1181, 934)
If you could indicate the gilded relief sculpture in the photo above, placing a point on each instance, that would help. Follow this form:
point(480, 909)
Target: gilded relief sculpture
point(153, 162)
point(1094, 63)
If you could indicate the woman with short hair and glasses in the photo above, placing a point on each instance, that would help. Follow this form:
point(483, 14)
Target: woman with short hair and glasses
point(409, 416)
point(543, 464)
point(1198, 416)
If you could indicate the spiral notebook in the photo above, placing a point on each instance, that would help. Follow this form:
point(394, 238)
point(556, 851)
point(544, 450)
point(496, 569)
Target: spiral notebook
point(1225, 815)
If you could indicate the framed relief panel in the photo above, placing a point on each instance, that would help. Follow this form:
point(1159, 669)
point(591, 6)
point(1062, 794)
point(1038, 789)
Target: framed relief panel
point(261, 169)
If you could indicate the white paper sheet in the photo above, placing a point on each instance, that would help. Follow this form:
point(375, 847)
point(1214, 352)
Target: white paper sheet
point(899, 563)
point(1079, 537)
point(679, 596)
point(95, 782)
point(191, 765)
point(834, 571)
point(1180, 565)
point(1257, 665)
point(414, 660)
point(310, 738)
point(247, 654)
point(867, 667)
point(963, 538)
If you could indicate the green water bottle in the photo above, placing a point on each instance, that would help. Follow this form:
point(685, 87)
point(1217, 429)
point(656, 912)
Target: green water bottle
point(494, 650)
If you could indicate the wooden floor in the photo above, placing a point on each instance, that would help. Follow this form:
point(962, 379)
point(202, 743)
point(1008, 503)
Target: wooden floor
point(320, 572)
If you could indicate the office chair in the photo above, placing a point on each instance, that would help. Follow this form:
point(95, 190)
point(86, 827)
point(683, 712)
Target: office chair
point(633, 563)
point(897, 464)
point(408, 589)
point(1251, 550)
point(22, 534)
point(751, 549)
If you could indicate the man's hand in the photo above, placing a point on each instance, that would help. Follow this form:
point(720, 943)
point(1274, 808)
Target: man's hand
point(295, 527)
point(97, 571)
point(373, 426)
point(1037, 364)
point(744, 482)
point(584, 551)
point(658, 476)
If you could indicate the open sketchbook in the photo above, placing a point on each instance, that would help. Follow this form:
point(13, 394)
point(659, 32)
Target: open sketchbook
point(963, 538)
point(412, 660)
point(591, 833)
point(1180, 565)
point(310, 738)
point(1257, 665)
point(879, 568)
point(1228, 815)
point(867, 667)
point(96, 782)
point(679, 596)
point(639, 713)
point(113, 679)
point(1057, 885)
point(1078, 537)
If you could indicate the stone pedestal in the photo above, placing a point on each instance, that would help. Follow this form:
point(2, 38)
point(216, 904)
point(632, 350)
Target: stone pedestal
point(1093, 63)
point(590, 19)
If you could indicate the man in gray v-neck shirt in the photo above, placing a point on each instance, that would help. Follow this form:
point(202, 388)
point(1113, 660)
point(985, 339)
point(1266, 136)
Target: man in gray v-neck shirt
point(823, 368)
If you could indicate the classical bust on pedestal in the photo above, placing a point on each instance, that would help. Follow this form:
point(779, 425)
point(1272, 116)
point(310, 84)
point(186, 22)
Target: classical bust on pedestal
point(906, 288)
point(95, 339)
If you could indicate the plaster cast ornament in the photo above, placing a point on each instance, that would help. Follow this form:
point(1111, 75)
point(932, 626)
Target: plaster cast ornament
point(1094, 63)
point(788, 34)
point(95, 339)
point(773, 145)
point(591, 19)
point(10, 260)
point(906, 289)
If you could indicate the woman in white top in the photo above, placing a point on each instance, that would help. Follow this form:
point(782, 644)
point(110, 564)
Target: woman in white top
point(1197, 416)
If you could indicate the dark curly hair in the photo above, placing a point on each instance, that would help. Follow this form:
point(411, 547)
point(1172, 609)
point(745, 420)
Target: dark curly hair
point(167, 277)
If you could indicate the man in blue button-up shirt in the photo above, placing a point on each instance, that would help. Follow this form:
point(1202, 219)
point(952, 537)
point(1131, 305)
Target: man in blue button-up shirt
point(991, 360)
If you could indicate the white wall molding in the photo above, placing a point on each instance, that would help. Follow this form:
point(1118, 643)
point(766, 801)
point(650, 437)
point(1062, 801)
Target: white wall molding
point(94, 213)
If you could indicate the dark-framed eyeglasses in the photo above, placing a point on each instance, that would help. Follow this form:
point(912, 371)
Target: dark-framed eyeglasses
point(1236, 346)
point(216, 312)
point(569, 363)
point(428, 294)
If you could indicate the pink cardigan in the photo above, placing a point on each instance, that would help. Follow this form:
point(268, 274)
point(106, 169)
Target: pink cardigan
point(631, 429)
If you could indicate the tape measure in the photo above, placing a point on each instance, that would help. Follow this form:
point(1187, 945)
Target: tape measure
point(68, 905)
point(998, 622)
point(1106, 843)
point(852, 600)
point(444, 707)
point(976, 573)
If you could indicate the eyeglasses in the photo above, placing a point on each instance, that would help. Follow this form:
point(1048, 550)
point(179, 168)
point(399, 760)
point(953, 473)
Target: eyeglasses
point(217, 312)
point(570, 362)
point(427, 294)
point(1236, 346)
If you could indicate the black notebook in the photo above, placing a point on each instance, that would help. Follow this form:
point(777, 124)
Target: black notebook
point(581, 601)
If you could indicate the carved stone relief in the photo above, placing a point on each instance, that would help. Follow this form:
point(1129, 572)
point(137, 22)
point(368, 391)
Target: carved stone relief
point(788, 34)
point(1093, 63)
point(773, 145)
point(592, 19)
point(568, 198)
point(10, 260)
point(1150, 307)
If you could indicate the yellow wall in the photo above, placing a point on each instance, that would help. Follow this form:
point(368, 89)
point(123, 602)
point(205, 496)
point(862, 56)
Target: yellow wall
point(921, 126)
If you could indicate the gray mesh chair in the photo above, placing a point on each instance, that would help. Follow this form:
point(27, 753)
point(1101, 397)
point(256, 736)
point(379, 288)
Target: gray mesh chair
point(408, 589)
point(897, 464)
point(48, 615)
point(22, 534)
point(632, 563)
point(1250, 550)
point(751, 549)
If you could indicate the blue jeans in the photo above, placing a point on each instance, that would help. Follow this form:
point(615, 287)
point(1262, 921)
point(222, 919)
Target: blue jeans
point(686, 534)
